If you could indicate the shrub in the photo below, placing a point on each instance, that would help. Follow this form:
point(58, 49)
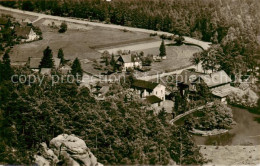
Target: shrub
point(63, 27)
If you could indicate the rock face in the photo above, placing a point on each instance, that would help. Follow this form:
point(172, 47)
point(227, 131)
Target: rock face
point(65, 150)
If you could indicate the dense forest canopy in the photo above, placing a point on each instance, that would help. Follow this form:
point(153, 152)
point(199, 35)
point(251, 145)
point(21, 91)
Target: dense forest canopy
point(117, 130)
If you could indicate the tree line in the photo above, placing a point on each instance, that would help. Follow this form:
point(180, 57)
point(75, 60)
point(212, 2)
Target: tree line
point(233, 24)
point(117, 130)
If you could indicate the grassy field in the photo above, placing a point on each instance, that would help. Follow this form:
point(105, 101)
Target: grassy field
point(75, 43)
point(177, 56)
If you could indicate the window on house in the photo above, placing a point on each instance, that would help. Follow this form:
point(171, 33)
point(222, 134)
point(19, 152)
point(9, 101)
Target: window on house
point(156, 92)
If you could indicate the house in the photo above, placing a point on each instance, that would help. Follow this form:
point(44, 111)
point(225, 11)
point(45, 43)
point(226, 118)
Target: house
point(217, 80)
point(218, 83)
point(26, 33)
point(185, 81)
point(129, 62)
point(34, 63)
point(146, 88)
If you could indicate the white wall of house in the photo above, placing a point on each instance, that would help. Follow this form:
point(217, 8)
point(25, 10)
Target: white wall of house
point(31, 36)
point(131, 65)
point(159, 91)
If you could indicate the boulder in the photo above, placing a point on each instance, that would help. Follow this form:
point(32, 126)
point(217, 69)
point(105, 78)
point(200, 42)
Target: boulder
point(66, 150)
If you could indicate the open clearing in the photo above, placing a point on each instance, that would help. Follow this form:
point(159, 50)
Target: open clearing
point(231, 155)
point(75, 43)
point(177, 56)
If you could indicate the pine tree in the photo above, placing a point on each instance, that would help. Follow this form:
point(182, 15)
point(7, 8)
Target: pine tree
point(47, 60)
point(76, 68)
point(113, 62)
point(61, 56)
point(6, 71)
point(162, 50)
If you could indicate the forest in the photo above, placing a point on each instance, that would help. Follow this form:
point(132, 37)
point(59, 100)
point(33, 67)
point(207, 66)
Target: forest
point(118, 130)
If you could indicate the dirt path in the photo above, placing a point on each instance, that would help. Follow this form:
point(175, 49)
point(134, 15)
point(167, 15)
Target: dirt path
point(204, 45)
point(189, 112)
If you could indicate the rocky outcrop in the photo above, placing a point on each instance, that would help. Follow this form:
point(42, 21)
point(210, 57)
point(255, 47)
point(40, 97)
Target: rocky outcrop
point(65, 150)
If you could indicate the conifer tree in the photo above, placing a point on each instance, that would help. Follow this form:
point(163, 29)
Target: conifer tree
point(76, 68)
point(6, 71)
point(162, 50)
point(47, 59)
point(61, 56)
point(113, 62)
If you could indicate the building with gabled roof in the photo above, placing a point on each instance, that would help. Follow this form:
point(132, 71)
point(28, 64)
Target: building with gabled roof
point(146, 88)
point(218, 83)
point(216, 80)
point(26, 33)
point(129, 62)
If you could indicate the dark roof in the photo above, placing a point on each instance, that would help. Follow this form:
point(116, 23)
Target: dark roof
point(3, 21)
point(153, 99)
point(216, 79)
point(187, 77)
point(144, 84)
point(128, 58)
point(22, 31)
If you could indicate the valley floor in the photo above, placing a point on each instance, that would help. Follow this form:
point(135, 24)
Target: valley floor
point(231, 155)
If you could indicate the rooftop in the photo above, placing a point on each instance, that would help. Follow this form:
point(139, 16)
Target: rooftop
point(153, 99)
point(223, 92)
point(144, 84)
point(187, 77)
point(215, 79)
point(22, 31)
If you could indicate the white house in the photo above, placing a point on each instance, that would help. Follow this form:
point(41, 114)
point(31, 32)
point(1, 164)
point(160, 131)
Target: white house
point(147, 89)
point(129, 62)
point(26, 33)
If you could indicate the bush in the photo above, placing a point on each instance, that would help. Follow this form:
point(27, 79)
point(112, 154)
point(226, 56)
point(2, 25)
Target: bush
point(63, 27)
point(219, 116)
